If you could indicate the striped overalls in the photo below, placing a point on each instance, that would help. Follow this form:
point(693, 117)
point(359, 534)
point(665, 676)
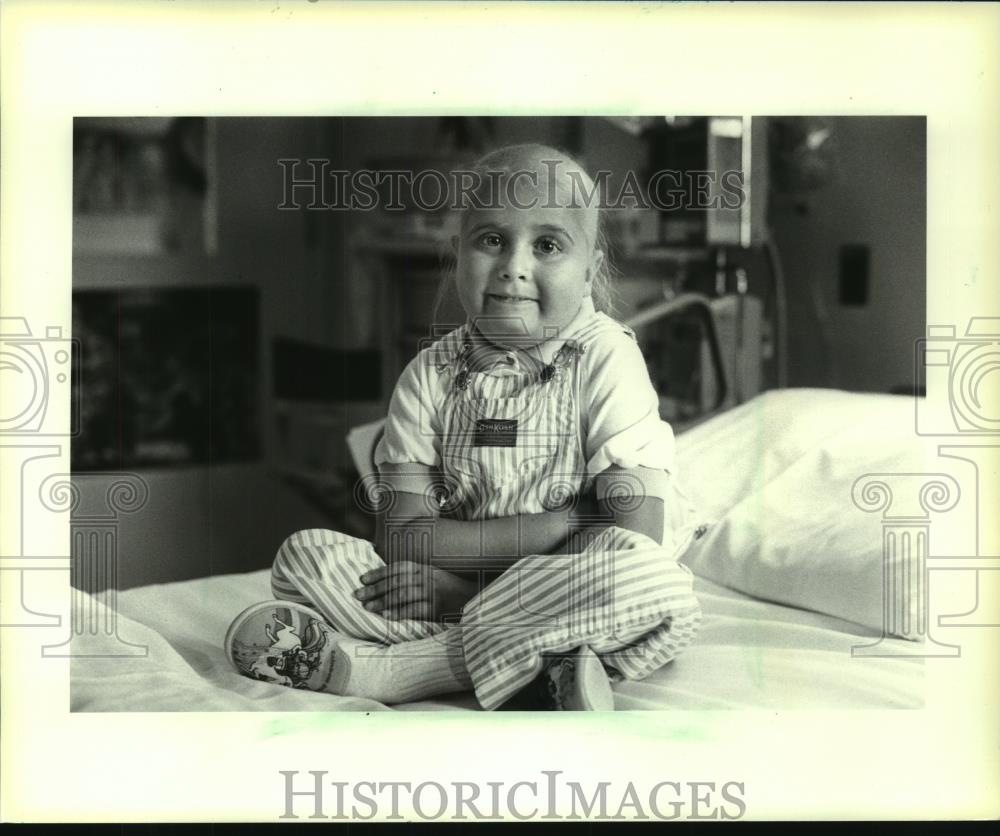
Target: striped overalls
point(511, 445)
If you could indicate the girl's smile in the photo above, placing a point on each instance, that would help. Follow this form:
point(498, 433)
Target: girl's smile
point(504, 299)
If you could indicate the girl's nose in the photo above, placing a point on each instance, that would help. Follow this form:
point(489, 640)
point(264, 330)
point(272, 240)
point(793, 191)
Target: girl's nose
point(517, 265)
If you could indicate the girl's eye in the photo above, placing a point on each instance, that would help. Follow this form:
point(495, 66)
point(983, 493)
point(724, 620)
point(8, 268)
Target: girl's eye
point(548, 246)
point(490, 239)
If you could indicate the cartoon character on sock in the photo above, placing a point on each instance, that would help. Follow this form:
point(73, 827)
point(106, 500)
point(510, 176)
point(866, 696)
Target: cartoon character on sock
point(289, 659)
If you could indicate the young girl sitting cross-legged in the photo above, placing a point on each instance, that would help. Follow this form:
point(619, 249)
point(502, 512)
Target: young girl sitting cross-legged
point(525, 547)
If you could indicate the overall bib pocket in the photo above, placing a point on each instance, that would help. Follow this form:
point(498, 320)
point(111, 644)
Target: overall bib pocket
point(501, 442)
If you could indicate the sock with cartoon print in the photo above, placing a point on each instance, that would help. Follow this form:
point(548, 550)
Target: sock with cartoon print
point(290, 644)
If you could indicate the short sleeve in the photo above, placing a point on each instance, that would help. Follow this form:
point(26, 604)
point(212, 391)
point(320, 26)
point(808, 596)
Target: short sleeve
point(411, 440)
point(621, 409)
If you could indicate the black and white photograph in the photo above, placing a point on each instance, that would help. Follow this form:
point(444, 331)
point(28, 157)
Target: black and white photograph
point(343, 409)
point(600, 416)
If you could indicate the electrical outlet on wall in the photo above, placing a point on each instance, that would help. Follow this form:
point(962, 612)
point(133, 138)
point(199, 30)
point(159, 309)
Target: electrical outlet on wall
point(853, 278)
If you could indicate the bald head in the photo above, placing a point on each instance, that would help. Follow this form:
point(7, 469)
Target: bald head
point(535, 177)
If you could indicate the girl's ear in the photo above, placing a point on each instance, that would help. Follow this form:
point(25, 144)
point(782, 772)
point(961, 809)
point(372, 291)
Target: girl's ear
point(595, 266)
point(454, 244)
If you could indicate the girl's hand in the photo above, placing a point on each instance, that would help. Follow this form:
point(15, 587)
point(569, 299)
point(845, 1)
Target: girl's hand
point(414, 590)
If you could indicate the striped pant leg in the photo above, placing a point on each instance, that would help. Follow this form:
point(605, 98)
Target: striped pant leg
point(322, 568)
point(623, 595)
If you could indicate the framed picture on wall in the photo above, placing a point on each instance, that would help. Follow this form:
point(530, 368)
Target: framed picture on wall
point(144, 185)
point(168, 377)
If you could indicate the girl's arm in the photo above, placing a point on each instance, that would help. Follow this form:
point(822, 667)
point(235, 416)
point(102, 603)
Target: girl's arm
point(435, 565)
point(468, 544)
point(501, 542)
point(634, 508)
point(429, 558)
point(626, 443)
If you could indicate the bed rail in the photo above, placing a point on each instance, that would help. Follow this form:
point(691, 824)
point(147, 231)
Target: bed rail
point(702, 307)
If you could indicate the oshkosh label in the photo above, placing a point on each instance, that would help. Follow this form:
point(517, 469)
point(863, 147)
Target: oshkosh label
point(495, 432)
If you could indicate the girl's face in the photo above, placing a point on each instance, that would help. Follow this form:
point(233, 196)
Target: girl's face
point(524, 273)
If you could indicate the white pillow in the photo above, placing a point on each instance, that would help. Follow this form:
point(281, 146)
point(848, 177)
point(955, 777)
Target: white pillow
point(775, 476)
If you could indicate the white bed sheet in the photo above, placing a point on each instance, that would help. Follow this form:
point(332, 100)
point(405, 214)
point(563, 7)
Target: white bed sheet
point(749, 654)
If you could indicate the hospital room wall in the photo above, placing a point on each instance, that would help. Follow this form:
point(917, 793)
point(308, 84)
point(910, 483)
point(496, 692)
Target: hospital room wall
point(877, 199)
